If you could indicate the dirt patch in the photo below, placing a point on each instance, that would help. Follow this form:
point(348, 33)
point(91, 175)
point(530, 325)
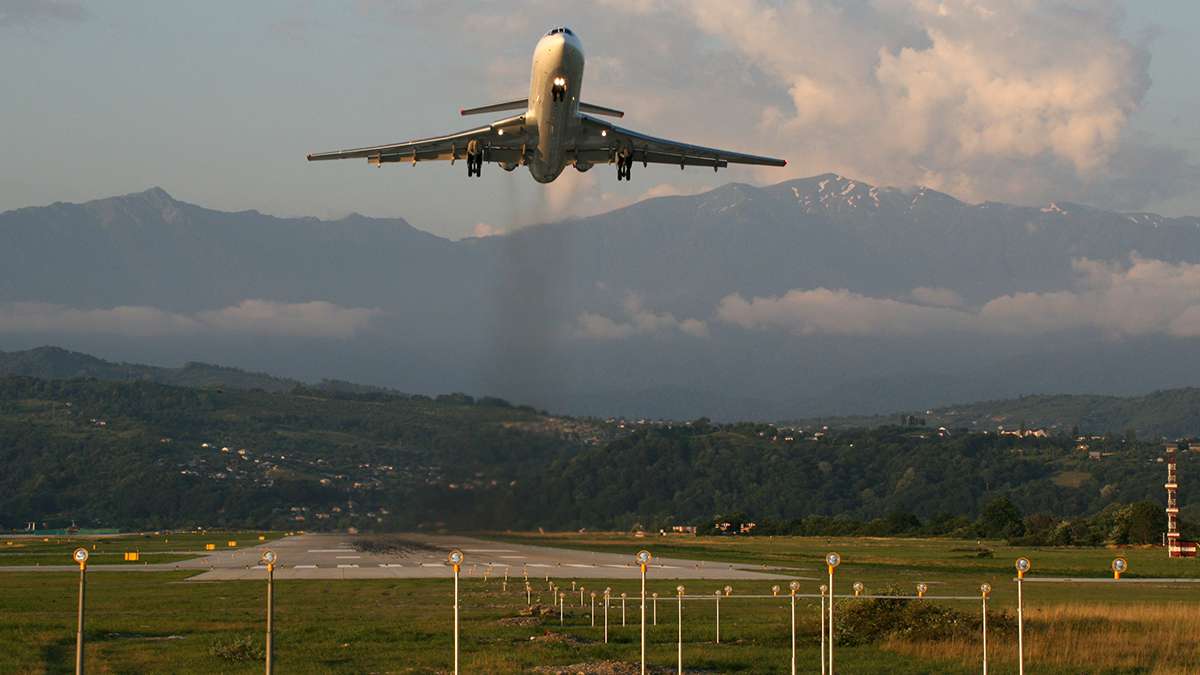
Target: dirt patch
point(520, 621)
point(560, 639)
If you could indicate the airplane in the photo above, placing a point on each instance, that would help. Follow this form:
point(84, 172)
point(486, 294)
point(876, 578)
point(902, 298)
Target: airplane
point(553, 130)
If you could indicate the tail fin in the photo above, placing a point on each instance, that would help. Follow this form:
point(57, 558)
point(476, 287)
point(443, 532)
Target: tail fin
point(519, 104)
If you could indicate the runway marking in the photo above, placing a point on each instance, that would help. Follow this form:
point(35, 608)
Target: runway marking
point(539, 565)
point(579, 565)
point(512, 557)
point(304, 567)
point(392, 565)
point(259, 567)
point(432, 565)
point(667, 567)
point(489, 550)
point(331, 550)
point(620, 567)
point(349, 557)
point(344, 566)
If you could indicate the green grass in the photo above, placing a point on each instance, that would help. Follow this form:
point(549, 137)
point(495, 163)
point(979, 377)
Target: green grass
point(157, 622)
point(109, 550)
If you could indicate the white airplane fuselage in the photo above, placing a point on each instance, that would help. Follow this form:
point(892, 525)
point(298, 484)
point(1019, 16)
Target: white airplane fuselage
point(552, 120)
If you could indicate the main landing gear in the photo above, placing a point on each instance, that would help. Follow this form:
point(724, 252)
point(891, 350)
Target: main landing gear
point(474, 160)
point(624, 165)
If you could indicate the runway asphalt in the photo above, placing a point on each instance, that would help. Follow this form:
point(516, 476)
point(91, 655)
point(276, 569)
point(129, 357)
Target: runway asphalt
point(335, 556)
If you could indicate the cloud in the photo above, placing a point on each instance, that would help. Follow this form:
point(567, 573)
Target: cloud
point(27, 12)
point(1006, 99)
point(824, 311)
point(486, 230)
point(1143, 297)
point(637, 320)
point(936, 297)
point(250, 317)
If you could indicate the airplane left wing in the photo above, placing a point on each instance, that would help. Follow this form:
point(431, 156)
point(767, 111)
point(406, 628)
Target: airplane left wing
point(602, 138)
point(499, 141)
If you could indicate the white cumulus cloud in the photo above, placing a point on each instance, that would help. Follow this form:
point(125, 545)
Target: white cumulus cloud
point(249, 317)
point(637, 320)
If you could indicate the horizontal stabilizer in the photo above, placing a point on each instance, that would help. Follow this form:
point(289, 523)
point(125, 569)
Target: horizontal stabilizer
point(599, 110)
point(519, 104)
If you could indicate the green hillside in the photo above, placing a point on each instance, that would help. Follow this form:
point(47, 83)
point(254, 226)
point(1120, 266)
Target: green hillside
point(141, 454)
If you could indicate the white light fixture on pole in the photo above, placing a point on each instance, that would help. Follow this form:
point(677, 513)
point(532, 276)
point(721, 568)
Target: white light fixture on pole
point(793, 587)
point(832, 560)
point(456, 560)
point(775, 590)
point(824, 663)
point(1119, 565)
point(643, 559)
point(269, 558)
point(581, 589)
point(679, 596)
point(607, 595)
point(528, 594)
point(984, 590)
point(922, 589)
point(858, 588)
point(1023, 565)
point(80, 556)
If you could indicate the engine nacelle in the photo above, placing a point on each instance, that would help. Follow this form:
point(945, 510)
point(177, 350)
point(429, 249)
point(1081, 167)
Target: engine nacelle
point(508, 166)
point(582, 166)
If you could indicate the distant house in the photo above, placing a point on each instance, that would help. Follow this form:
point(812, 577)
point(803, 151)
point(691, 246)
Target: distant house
point(683, 529)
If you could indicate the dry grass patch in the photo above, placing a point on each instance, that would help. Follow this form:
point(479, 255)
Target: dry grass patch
point(1156, 638)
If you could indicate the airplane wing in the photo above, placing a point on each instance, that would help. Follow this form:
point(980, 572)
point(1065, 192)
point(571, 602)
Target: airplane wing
point(602, 141)
point(500, 141)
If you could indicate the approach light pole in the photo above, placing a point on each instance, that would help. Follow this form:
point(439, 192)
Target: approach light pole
point(1023, 565)
point(984, 590)
point(824, 663)
point(456, 559)
point(1119, 565)
point(679, 648)
point(793, 587)
point(80, 556)
point(832, 560)
point(269, 558)
point(643, 559)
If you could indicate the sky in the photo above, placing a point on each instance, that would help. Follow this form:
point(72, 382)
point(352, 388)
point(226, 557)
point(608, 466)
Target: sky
point(218, 102)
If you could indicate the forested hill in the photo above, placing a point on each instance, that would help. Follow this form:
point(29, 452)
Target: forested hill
point(142, 454)
point(55, 363)
point(1172, 413)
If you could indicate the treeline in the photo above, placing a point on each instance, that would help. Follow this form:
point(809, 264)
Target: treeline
point(1136, 523)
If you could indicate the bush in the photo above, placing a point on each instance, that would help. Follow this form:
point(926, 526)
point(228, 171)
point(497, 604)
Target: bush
point(244, 648)
point(876, 619)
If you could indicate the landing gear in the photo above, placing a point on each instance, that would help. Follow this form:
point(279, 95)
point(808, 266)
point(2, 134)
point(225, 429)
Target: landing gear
point(624, 165)
point(474, 159)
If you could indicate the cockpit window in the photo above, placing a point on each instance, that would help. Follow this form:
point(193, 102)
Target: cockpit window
point(556, 31)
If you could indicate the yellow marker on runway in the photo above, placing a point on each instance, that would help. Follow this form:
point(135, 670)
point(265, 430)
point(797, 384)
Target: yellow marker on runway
point(210, 547)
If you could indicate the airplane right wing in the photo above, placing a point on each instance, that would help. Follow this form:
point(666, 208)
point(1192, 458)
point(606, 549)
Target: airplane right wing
point(500, 141)
point(602, 139)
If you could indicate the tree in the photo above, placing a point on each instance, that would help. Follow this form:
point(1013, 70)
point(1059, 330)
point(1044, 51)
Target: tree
point(1000, 518)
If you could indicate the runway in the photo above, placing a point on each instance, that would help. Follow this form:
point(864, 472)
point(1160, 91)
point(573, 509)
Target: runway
point(335, 556)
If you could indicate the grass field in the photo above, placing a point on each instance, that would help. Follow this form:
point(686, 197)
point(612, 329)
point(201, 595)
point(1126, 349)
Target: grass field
point(153, 547)
point(159, 622)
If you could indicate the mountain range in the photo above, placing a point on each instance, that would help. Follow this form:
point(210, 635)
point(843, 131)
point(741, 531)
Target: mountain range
point(816, 296)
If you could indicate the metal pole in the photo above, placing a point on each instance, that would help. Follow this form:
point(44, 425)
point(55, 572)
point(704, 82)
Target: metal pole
point(643, 620)
point(562, 608)
point(456, 620)
point(1020, 629)
point(830, 620)
point(622, 609)
point(593, 610)
point(793, 633)
point(680, 644)
point(79, 624)
point(718, 617)
point(606, 617)
point(823, 662)
point(984, 634)
point(654, 602)
point(270, 617)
